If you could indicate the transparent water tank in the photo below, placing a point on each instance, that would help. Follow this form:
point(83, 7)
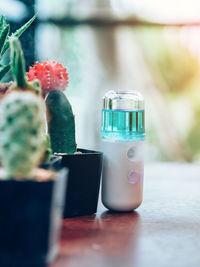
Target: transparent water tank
point(123, 116)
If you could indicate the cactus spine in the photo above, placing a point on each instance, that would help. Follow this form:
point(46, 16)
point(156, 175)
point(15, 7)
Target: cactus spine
point(61, 123)
point(21, 133)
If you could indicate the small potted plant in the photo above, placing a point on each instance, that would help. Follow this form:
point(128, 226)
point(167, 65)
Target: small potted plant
point(4, 45)
point(84, 165)
point(31, 198)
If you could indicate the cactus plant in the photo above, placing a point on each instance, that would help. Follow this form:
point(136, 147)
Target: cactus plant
point(4, 40)
point(61, 124)
point(21, 83)
point(52, 76)
point(18, 68)
point(21, 133)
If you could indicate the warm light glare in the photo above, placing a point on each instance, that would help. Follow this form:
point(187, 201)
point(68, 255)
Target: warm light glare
point(163, 11)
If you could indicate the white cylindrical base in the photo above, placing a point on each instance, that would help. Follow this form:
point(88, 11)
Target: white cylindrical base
point(123, 171)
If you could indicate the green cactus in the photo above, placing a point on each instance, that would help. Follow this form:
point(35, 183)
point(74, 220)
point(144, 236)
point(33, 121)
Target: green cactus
point(48, 150)
point(61, 123)
point(17, 62)
point(21, 83)
point(21, 133)
point(18, 68)
point(4, 40)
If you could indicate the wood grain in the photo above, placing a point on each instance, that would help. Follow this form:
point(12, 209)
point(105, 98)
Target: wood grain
point(165, 230)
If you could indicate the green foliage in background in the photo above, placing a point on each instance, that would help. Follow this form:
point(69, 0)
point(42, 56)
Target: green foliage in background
point(4, 40)
point(193, 137)
point(174, 71)
point(172, 65)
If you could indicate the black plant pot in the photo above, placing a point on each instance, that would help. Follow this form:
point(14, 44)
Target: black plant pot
point(30, 220)
point(53, 164)
point(83, 182)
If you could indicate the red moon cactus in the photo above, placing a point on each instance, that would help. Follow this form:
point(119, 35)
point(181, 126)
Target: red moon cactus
point(52, 76)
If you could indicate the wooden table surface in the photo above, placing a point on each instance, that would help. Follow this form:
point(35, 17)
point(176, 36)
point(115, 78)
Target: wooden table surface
point(164, 231)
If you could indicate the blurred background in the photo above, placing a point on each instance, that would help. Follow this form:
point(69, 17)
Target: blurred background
point(151, 46)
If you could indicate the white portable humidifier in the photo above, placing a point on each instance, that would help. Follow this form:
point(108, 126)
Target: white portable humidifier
point(123, 134)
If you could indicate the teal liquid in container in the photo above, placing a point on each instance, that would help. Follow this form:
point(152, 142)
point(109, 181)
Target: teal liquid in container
point(123, 134)
point(123, 125)
point(123, 116)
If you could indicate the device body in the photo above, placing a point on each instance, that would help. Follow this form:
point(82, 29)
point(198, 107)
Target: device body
point(122, 183)
point(123, 148)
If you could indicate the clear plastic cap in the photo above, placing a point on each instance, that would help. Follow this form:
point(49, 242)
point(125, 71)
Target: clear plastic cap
point(123, 100)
